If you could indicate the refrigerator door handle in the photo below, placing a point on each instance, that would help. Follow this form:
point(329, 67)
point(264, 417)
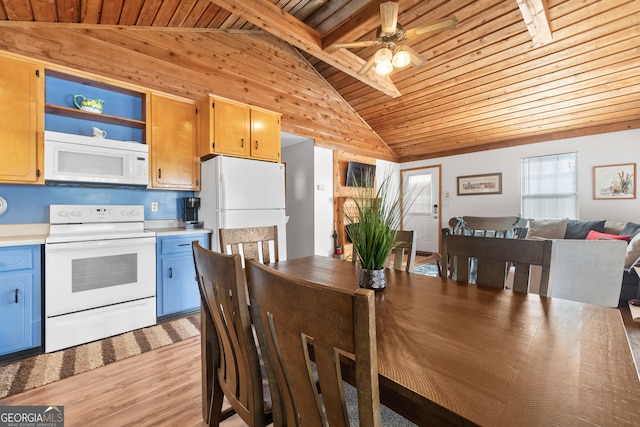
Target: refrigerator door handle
point(221, 188)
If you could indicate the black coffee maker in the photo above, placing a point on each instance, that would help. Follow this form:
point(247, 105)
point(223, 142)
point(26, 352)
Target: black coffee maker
point(191, 205)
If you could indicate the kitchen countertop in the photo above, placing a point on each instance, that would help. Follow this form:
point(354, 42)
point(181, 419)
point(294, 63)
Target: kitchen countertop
point(35, 234)
point(178, 230)
point(23, 234)
point(164, 227)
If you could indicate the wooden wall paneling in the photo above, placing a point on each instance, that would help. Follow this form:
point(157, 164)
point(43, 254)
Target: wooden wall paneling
point(18, 11)
point(114, 12)
point(484, 83)
point(181, 13)
point(523, 72)
point(44, 11)
point(575, 106)
point(165, 12)
point(521, 87)
point(342, 120)
point(320, 114)
point(541, 118)
point(206, 16)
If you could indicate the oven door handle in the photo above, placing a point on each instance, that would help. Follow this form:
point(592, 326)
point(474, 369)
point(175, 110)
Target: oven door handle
point(94, 244)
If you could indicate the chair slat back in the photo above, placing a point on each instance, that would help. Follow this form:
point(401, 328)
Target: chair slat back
point(403, 256)
point(251, 242)
point(501, 227)
point(223, 291)
point(289, 314)
point(495, 257)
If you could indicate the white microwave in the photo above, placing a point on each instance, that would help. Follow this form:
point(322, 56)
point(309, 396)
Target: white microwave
point(85, 160)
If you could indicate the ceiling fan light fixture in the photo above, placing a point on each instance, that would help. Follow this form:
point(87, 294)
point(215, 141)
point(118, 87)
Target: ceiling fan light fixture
point(401, 59)
point(383, 55)
point(384, 68)
point(388, 17)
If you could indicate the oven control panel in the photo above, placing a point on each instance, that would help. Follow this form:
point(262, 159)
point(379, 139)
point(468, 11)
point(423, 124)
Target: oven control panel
point(83, 214)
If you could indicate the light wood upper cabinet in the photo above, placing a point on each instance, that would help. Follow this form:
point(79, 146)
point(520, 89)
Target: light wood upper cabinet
point(174, 161)
point(234, 129)
point(21, 121)
point(265, 135)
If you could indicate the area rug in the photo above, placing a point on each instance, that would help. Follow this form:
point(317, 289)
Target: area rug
point(35, 371)
point(430, 269)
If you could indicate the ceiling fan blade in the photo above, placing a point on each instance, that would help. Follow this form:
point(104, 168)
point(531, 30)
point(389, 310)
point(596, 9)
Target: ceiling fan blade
point(439, 25)
point(367, 66)
point(362, 43)
point(416, 59)
point(389, 17)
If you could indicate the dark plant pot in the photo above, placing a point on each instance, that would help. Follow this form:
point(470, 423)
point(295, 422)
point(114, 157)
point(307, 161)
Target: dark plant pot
point(372, 279)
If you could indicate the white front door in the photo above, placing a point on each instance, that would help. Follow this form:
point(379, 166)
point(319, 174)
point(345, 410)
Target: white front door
point(423, 215)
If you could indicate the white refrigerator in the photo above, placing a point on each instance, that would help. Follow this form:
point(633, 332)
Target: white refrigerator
point(237, 193)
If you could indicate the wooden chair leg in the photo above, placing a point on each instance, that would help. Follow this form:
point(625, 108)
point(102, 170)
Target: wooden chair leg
point(216, 415)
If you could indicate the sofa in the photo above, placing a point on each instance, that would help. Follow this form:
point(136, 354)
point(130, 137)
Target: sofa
point(570, 229)
point(594, 265)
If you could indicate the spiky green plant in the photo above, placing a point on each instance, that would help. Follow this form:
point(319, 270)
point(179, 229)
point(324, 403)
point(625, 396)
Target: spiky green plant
point(375, 221)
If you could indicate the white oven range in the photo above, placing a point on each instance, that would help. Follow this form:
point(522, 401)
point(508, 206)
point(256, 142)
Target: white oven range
point(100, 274)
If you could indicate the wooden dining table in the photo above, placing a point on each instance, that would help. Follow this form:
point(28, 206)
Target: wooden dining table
point(453, 353)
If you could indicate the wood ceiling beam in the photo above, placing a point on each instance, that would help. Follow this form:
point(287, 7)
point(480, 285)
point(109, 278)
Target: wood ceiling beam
point(352, 28)
point(274, 20)
point(536, 16)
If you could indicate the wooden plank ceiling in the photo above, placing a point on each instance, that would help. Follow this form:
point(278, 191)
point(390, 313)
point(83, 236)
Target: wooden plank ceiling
point(485, 85)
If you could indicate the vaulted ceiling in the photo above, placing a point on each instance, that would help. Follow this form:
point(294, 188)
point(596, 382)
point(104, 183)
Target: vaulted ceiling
point(485, 84)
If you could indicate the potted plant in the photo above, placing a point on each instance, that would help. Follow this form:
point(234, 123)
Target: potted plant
point(373, 226)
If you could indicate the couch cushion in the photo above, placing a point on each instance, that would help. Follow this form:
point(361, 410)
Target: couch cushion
point(578, 229)
point(631, 228)
point(596, 235)
point(633, 251)
point(547, 229)
point(613, 227)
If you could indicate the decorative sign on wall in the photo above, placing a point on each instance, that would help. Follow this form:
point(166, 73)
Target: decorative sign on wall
point(490, 183)
point(614, 181)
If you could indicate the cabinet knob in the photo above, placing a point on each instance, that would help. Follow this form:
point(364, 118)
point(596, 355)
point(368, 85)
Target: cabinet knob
point(159, 173)
point(170, 272)
point(242, 142)
point(16, 295)
point(256, 144)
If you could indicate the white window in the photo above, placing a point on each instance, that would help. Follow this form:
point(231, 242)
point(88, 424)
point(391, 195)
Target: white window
point(550, 186)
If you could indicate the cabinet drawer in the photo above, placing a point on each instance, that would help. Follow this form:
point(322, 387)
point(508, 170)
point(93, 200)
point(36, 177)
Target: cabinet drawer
point(170, 245)
point(15, 258)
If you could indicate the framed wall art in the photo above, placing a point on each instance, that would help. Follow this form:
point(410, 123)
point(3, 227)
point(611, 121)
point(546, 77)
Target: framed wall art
point(614, 181)
point(490, 183)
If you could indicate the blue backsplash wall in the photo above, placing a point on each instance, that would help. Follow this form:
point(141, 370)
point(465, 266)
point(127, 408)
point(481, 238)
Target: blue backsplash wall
point(29, 204)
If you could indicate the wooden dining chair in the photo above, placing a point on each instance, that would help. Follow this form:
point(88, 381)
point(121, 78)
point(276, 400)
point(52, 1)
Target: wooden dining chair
point(495, 258)
point(230, 361)
point(260, 243)
point(485, 226)
point(403, 256)
point(305, 325)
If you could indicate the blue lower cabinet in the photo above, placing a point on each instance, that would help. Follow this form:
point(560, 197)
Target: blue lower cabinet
point(177, 291)
point(20, 298)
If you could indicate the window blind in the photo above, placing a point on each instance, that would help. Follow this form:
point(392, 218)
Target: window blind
point(550, 186)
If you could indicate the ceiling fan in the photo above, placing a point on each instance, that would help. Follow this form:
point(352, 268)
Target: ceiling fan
point(390, 35)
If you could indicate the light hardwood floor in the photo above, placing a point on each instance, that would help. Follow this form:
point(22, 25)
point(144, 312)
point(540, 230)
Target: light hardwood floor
point(159, 388)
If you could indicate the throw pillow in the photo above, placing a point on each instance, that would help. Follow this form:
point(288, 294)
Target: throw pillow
point(631, 228)
point(633, 251)
point(578, 229)
point(547, 229)
point(596, 235)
